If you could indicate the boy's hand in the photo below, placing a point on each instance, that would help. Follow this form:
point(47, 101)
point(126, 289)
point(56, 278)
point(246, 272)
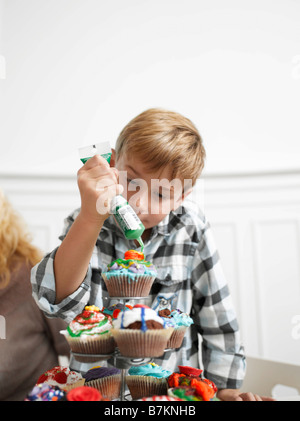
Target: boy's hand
point(236, 395)
point(98, 184)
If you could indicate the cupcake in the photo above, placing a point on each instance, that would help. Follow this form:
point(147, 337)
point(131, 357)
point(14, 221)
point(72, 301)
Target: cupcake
point(90, 333)
point(147, 380)
point(84, 393)
point(43, 392)
point(180, 321)
point(189, 379)
point(140, 332)
point(61, 377)
point(105, 379)
point(159, 398)
point(132, 276)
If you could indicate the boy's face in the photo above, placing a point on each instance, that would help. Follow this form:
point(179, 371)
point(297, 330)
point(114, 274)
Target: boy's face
point(151, 194)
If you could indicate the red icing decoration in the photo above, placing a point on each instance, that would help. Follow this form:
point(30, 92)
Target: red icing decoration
point(140, 306)
point(189, 371)
point(42, 378)
point(134, 255)
point(60, 377)
point(84, 393)
point(116, 313)
point(88, 317)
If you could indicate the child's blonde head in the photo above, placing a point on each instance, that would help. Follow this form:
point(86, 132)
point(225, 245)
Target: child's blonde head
point(15, 242)
point(161, 138)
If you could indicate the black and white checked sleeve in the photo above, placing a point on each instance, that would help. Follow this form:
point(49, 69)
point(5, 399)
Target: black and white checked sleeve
point(43, 286)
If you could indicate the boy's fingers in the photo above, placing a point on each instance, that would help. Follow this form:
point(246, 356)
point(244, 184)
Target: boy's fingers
point(104, 200)
point(96, 160)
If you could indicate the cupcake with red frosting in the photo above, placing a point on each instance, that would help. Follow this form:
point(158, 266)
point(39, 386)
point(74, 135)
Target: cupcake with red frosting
point(90, 333)
point(84, 393)
point(132, 276)
point(189, 385)
point(61, 377)
point(140, 332)
point(105, 379)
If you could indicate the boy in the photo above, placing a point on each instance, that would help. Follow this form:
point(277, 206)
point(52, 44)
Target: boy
point(156, 145)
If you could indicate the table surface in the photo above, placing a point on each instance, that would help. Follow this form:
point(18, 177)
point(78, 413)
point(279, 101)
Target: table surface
point(289, 398)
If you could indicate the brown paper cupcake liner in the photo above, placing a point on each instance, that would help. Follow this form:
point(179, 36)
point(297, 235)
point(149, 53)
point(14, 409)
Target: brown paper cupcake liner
point(142, 386)
point(109, 387)
point(137, 344)
point(97, 344)
point(124, 286)
point(176, 338)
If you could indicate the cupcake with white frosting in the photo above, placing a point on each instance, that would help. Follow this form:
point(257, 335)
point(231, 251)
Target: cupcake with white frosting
point(141, 332)
point(90, 333)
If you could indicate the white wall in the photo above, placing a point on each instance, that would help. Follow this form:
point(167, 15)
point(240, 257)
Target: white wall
point(78, 70)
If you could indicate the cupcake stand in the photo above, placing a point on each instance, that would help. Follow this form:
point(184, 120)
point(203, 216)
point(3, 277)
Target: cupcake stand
point(116, 358)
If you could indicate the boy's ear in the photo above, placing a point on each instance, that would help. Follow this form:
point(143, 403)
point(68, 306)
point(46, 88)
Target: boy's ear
point(113, 158)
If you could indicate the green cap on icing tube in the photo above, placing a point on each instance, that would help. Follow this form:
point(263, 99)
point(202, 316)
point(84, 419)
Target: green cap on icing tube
point(123, 213)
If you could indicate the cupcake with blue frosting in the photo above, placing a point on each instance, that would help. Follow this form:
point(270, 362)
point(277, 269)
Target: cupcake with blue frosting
point(147, 380)
point(132, 276)
point(180, 321)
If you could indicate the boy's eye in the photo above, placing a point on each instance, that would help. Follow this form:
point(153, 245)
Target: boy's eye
point(158, 194)
point(129, 180)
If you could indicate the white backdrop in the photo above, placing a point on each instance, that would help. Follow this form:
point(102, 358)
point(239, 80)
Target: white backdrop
point(78, 70)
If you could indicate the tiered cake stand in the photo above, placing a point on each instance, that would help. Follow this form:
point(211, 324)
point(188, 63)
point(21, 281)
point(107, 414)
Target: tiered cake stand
point(116, 358)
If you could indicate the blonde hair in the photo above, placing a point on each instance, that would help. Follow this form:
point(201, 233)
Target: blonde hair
point(160, 138)
point(15, 242)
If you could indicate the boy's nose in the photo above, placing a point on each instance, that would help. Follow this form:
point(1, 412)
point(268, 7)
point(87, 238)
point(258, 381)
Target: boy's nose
point(141, 204)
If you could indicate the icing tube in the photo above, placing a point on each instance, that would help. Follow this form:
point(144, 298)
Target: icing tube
point(102, 149)
point(123, 213)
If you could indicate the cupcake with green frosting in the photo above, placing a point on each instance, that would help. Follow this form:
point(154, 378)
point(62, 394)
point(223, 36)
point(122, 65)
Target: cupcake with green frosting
point(132, 276)
point(90, 333)
point(147, 380)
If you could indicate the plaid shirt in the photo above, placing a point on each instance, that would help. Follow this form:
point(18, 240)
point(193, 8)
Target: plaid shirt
point(189, 277)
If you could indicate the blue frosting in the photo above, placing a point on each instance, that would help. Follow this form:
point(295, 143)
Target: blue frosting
point(151, 369)
point(181, 319)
